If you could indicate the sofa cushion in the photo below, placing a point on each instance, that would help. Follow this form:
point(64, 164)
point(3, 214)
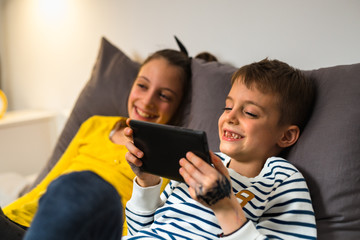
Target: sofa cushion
point(328, 152)
point(105, 93)
point(210, 86)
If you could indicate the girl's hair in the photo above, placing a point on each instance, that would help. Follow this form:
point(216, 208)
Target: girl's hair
point(208, 57)
point(295, 93)
point(183, 63)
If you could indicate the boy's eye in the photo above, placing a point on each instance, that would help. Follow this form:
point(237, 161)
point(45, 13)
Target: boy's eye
point(251, 114)
point(227, 109)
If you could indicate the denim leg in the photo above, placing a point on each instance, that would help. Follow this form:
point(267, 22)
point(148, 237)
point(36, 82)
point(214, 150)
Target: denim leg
point(79, 205)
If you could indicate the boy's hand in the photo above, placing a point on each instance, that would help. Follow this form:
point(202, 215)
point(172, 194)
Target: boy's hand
point(207, 185)
point(211, 187)
point(133, 158)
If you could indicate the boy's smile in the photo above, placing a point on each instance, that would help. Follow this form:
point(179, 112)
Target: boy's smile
point(231, 136)
point(249, 127)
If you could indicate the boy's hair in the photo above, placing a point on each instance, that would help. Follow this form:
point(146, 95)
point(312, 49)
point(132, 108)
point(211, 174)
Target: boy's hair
point(294, 91)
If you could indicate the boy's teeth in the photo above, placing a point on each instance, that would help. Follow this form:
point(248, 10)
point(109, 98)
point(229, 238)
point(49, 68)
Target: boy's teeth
point(235, 136)
point(232, 135)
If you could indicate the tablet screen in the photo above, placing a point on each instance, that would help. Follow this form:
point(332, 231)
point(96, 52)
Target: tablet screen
point(164, 145)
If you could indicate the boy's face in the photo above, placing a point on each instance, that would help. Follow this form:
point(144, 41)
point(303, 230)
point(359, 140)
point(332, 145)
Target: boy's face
point(248, 128)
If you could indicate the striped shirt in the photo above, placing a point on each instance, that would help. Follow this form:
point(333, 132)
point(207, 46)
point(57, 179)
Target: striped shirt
point(277, 204)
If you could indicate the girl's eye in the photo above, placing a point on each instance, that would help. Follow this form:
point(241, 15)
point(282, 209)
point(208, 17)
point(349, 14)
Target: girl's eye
point(227, 109)
point(141, 86)
point(164, 97)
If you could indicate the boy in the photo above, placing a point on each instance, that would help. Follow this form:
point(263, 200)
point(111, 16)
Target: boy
point(257, 195)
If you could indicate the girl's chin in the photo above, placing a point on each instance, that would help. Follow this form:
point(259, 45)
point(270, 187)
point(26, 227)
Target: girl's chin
point(144, 119)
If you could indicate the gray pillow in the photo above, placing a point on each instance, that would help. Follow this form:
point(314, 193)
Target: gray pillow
point(105, 93)
point(210, 86)
point(328, 152)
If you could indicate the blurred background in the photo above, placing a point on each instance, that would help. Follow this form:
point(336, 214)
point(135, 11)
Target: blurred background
point(48, 49)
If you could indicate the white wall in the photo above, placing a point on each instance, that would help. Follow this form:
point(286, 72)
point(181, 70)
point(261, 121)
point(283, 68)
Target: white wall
point(1, 39)
point(48, 53)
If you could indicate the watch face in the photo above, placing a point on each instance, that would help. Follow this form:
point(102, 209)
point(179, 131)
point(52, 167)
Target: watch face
point(3, 103)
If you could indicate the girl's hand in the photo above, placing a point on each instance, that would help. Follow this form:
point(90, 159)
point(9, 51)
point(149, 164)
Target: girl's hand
point(133, 157)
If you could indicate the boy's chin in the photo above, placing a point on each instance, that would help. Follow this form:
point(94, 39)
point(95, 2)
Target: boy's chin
point(228, 150)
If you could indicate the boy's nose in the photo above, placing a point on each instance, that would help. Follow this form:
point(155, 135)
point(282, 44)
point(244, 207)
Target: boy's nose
point(232, 118)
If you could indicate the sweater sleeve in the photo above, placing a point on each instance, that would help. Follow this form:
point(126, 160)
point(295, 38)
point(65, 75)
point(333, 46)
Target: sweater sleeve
point(141, 207)
point(289, 212)
point(247, 231)
point(288, 215)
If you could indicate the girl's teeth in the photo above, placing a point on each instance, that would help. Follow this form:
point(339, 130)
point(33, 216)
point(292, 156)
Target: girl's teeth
point(145, 115)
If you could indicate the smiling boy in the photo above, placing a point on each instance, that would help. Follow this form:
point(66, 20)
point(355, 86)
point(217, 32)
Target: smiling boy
point(251, 193)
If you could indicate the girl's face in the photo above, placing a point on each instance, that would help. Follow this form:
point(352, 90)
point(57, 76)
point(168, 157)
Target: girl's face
point(156, 93)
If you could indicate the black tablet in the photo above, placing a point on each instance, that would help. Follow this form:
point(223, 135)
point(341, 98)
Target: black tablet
point(164, 145)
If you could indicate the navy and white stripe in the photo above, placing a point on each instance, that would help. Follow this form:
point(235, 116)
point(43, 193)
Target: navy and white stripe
point(281, 208)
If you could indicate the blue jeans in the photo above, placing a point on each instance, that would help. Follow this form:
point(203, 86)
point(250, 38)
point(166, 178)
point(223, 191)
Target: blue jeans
point(79, 205)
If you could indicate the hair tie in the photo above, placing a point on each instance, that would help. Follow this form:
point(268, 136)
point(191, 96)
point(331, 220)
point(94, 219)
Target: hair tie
point(181, 46)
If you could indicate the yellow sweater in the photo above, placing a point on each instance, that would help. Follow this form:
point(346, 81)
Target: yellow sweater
point(91, 149)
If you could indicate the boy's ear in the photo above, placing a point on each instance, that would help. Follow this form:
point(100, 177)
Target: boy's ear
point(289, 137)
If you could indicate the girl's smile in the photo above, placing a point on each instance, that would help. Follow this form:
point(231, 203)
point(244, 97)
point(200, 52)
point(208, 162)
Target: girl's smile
point(156, 93)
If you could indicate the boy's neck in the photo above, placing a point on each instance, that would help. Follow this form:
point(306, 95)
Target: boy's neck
point(247, 169)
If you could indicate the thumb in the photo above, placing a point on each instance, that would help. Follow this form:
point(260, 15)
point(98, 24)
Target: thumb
point(218, 164)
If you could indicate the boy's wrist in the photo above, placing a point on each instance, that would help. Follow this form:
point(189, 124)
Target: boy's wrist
point(222, 235)
point(230, 215)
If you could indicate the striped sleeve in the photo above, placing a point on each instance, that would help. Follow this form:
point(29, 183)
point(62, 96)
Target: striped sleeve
point(289, 213)
point(281, 206)
point(140, 213)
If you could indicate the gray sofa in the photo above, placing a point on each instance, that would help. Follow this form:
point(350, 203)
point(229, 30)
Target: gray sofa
point(328, 152)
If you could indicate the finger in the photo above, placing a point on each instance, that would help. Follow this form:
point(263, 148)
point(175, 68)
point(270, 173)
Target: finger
point(128, 132)
point(128, 121)
point(190, 181)
point(194, 186)
point(187, 171)
point(200, 164)
point(133, 160)
point(191, 169)
point(192, 193)
point(218, 164)
point(134, 150)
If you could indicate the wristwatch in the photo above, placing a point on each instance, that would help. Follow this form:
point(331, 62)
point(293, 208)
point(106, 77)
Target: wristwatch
point(3, 103)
